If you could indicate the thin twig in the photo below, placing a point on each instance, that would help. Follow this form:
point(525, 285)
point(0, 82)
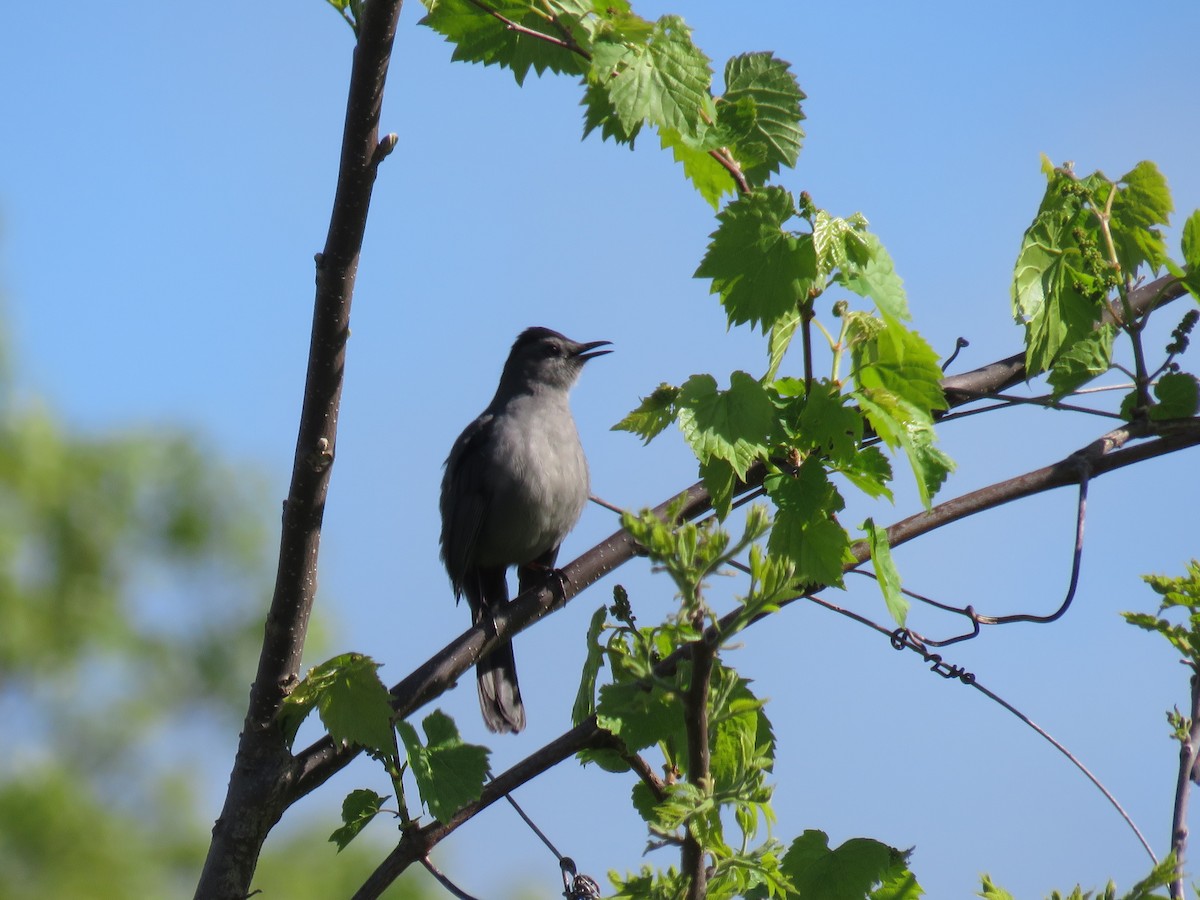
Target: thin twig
point(1189, 751)
point(444, 881)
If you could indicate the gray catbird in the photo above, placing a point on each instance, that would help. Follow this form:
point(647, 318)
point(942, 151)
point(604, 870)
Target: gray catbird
point(516, 481)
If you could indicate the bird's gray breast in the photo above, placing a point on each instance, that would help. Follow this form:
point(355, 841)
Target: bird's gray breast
point(538, 483)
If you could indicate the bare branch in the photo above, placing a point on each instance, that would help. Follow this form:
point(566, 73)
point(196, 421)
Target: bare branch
point(1189, 753)
point(257, 786)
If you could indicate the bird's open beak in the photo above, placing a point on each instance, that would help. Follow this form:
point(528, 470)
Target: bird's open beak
point(589, 351)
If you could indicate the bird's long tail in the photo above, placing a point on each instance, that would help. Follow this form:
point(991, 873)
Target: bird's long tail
point(499, 693)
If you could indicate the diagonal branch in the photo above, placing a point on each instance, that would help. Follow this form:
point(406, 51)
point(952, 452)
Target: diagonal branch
point(316, 763)
point(256, 794)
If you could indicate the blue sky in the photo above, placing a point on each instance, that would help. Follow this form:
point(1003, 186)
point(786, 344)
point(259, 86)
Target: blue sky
point(166, 178)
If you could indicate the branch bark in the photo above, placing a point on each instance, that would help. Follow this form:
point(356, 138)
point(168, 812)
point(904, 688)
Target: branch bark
point(257, 792)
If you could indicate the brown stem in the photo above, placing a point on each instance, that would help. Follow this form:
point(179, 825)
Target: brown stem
point(692, 856)
point(256, 795)
point(1189, 752)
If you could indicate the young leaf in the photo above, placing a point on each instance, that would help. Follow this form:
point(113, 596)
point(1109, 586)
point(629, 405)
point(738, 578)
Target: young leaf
point(663, 79)
point(887, 576)
point(653, 414)
point(805, 532)
point(1047, 289)
point(734, 425)
point(1178, 396)
point(1190, 244)
point(759, 269)
point(708, 176)
point(766, 86)
point(876, 278)
point(1142, 202)
point(481, 37)
point(358, 809)
point(641, 717)
point(1088, 358)
point(585, 698)
point(449, 773)
point(353, 703)
point(847, 873)
point(869, 470)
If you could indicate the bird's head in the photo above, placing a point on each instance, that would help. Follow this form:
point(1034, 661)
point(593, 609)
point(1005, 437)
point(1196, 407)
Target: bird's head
point(542, 357)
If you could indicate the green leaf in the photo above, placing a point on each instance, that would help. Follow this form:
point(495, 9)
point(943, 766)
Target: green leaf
point(782, 332)
point(847, 873)
point(353, 703)
point(869, 470)
point(585, 698)
point(719, 480)
point(898, 360)
point(1087, 358)
point(653, 414)
point(898, 387)
point(663, 79)
point(900, 426)
point(708, 176)
point(989, 891)
point(1142, 202)
point(358, 809)
point(759, 269)
point(1048, 285)
point(1190, 243)
point(734, 425)
point(1178, 396)
point(766, 87)
point(481, 37)
point(599, 113)
point(887, 576)
point(449, 773)
point(742, 738)
point(805, 531)
point(828, 424)
point(876, 279)
point(641, 717)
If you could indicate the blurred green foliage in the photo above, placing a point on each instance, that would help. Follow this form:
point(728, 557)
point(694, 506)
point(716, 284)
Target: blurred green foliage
point(134, 574)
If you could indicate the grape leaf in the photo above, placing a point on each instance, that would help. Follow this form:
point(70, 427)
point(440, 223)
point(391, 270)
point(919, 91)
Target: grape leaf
point(449, 773)
point(663, 79)
point(351, 700)
point(708, 176)
point(766, 87)
point(652, 415)
point(734, 425)
point(1142, 202)
point(876, 279)
point(847, 873)
point(585, 698)
point(804, 531)
point(759, 269)
point(1087, 358)
point(1178, 396)
point(886, 574)
point(482, 37)
point(358, 809)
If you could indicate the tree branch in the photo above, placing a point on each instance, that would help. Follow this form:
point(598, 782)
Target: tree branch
point(416, 843)
point(316, 763)
point(257, 786)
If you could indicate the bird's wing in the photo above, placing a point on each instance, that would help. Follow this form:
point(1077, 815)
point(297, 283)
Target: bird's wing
point(466, 496)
